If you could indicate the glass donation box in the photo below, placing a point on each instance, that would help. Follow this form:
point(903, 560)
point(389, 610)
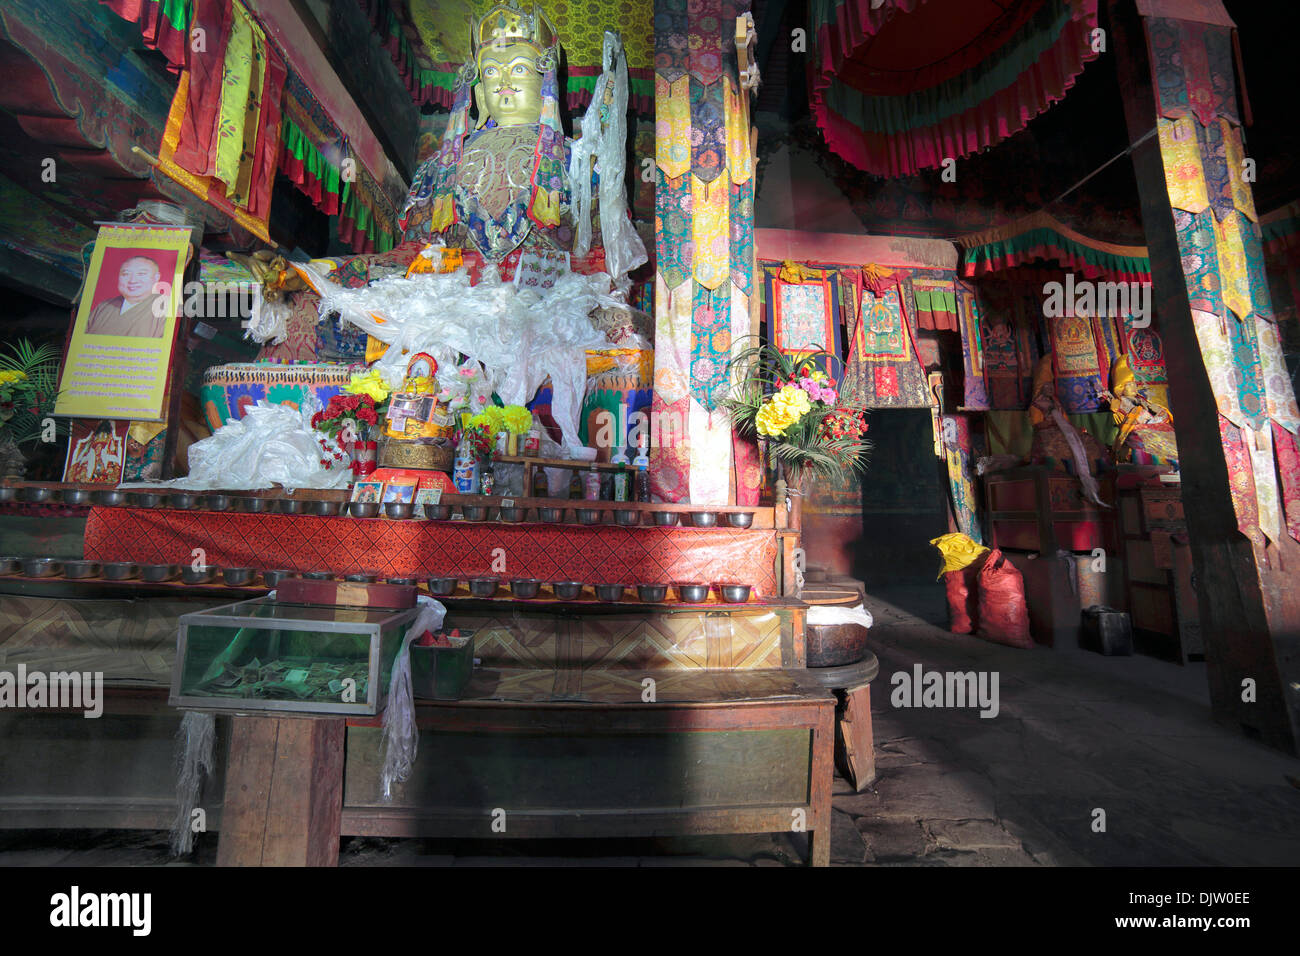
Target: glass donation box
point(267, 655)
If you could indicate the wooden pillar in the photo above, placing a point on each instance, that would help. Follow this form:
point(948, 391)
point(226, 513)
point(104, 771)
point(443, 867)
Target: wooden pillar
point(284, 792)
point(1249, 605)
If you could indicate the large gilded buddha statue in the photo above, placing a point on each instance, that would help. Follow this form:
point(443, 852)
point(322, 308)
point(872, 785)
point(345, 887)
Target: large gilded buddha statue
point(514, 179)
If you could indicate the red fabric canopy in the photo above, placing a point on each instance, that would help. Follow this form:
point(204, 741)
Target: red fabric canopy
point(901, 85)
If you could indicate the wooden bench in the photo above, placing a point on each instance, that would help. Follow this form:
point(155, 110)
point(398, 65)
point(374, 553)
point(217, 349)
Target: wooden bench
point(562, 751)
point(752, 756)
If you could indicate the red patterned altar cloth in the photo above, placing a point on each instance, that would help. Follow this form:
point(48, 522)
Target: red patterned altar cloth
point(389, 548)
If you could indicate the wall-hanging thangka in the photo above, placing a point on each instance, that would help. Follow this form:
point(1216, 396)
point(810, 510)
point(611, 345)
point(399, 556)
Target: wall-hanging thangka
point(804, 315)
point(898, 86)
point(883, 349)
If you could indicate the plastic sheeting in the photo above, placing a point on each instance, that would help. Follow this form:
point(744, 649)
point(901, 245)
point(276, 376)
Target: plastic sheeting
point(520, 337)
point(401, 736)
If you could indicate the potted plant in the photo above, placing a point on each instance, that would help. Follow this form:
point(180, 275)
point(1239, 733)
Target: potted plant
point(29, 377)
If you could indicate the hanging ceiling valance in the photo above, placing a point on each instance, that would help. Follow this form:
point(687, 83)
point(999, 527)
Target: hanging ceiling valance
point(1038, 238)
point(898, 86)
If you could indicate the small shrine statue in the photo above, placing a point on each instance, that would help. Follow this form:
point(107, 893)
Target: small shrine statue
point(1144, 426)
point(515, 180)
point(1055, 437)
point(413, 411)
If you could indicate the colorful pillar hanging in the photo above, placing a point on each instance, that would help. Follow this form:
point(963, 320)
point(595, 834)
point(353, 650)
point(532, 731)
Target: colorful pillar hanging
point(704, 233)
point(1201, 148)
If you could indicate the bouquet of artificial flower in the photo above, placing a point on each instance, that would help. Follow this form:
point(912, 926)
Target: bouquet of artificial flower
point(344, 411)
point(794, 405)
point(370, 383)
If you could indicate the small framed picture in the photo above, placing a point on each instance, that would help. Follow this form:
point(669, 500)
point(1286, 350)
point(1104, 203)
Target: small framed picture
point(368, 491)
point(426, 496)
point(400, 490)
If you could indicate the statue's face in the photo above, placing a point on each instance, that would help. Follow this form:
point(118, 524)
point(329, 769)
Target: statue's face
point(512, 87)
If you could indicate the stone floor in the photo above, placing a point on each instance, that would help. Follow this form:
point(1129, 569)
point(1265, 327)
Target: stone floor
point(1077, 736)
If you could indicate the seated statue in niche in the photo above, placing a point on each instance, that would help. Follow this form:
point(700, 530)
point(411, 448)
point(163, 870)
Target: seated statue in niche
point(1145, 426)
point(508, 182)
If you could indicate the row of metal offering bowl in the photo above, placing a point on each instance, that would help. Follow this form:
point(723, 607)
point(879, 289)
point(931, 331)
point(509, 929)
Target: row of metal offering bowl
point(78, 569)
point(481, 587)
point(193, 501)
point(512, 514)
point(161, 573)
point(527, 589)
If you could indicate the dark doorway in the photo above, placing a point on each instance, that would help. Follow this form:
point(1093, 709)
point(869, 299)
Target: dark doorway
point(904, 501)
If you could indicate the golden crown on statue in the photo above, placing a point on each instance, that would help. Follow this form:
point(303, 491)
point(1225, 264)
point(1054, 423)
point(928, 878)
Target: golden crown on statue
point(510, 23)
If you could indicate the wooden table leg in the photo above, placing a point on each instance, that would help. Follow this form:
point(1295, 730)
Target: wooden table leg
point(823, 769)
point(284, 792)
point(853, 741)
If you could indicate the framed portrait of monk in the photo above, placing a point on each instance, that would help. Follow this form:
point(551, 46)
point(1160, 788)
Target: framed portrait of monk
point(120, 350)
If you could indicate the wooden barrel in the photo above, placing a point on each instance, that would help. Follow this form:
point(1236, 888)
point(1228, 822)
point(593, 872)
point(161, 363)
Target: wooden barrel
point(834, 645)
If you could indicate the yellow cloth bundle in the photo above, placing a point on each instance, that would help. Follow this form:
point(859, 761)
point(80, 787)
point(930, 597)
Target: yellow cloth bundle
point(957, 550)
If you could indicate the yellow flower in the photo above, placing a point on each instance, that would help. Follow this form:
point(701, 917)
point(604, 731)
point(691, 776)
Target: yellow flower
point(517, 419)
point(784, 409)
point(794, 400)
point(370, 383)
point(12, 375)
point(490, 418)
point(772, 420)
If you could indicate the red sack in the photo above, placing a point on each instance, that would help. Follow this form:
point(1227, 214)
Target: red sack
point(963, 603)
point(1003, 615)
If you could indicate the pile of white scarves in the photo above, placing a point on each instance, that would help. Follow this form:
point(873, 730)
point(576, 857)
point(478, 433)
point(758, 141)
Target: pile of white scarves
point(519, 336)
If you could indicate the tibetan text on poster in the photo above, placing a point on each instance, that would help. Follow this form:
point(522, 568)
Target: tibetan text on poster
point(122, 337)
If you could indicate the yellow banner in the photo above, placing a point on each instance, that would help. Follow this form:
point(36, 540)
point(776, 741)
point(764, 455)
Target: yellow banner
point(117, 361)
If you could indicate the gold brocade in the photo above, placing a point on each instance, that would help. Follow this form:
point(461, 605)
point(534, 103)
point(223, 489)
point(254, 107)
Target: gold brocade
point(710, 222)
point(1184, 177)
point(583, 33)
point(673, 126)
point(145, 432)
point(1231, 252)
point(236, 82)
point(1235, 156)
point(739, 159)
